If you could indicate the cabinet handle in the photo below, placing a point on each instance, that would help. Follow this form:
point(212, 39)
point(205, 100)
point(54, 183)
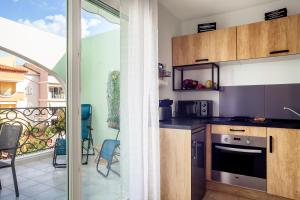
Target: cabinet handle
point(271, 144)
point(194, 149)
point(201, 60)
point(237, 130)
point(280, 51)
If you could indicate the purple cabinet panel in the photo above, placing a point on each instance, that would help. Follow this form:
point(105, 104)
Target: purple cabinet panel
point(242, 101)
point(260, 101)
point(278, 96)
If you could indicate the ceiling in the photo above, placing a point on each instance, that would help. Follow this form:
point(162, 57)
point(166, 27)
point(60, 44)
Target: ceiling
point(191, 9)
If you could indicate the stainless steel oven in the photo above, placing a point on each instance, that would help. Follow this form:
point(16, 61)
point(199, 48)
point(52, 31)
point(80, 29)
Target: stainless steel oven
point(239, 160)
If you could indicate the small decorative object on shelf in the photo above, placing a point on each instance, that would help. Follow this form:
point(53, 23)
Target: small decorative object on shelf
point(189, 84)
point(207, 27)
point(162, 72)
point(276, 14)
point(186, 84)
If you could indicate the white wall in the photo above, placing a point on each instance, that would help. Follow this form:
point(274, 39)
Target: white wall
point(30, 87)
point(283, 70)
point(168, 27)
point(244, 16)
point(31, 43)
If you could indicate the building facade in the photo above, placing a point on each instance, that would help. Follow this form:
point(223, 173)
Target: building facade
point(28, 86)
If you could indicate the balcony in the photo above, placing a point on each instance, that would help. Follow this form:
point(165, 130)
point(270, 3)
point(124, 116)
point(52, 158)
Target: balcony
point(37, 178)
point(41, 127)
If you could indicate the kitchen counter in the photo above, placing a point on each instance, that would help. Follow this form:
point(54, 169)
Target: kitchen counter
point(183, 123)
point(192, 123)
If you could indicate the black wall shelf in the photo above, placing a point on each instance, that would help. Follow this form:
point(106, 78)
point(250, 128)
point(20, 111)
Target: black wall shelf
point(215, 70)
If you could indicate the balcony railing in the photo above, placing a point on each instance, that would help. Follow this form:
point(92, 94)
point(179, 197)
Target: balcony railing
point(41, 126)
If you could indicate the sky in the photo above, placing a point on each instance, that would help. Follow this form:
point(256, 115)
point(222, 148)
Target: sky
point(50, 16)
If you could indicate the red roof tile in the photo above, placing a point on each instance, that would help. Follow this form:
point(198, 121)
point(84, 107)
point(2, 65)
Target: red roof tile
point(17, 69)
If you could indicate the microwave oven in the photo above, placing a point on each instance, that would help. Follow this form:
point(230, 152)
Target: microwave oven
point(194, 108)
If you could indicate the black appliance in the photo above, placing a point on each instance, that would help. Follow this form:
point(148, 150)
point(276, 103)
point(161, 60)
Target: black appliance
point(194, 109)
point(276, 14)
point(198, 163)
point(239, 160)
point(207, 27)
point(165, 109)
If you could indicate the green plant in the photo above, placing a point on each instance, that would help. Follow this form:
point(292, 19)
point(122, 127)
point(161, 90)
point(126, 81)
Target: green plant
point(113, 100)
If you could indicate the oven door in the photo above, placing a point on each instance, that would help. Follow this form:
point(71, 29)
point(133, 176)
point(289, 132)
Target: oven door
point(239, 165)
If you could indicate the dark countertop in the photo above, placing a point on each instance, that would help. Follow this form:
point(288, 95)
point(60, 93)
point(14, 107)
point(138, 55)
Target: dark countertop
point(183, 123)
point(192, 123)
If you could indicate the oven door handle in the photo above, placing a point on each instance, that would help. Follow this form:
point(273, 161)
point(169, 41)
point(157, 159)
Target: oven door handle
point(239, 149)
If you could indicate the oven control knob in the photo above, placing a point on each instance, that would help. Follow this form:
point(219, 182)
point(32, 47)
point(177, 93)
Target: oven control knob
point(248, 141)
point(226, 139)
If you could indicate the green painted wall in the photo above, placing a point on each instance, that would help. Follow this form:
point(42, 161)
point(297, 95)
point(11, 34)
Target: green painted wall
point(100, 54)
point(61, 68)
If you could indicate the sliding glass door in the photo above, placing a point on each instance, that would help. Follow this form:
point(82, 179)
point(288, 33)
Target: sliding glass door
point(100, 99)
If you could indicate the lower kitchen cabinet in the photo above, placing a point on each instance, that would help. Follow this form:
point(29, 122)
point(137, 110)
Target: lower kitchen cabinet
point(182, 164)
point(283, 162)
point(298, 35)
point(175, 164)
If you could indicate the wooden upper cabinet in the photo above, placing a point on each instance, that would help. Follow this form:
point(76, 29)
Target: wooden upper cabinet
point(282, 35)
point(277, 37)
point(201, 47)
point(269, 38)
point(251, 41)
point(223, 45)
point(283, 162)
point(183, 50)
point(213, 46)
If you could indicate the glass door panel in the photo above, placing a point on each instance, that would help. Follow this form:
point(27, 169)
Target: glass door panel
point(100, 96)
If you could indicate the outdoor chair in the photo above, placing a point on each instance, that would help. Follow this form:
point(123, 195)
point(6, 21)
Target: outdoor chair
point(86, 139)
point(9, 142)
point(107, 153)
point(59, 150)
point(86, 131)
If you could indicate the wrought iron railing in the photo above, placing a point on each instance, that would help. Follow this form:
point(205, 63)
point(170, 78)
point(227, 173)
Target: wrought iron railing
point(41, 126)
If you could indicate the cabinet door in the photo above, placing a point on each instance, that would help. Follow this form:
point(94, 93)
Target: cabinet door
point(182, 50)
point(175, 164)
point(282, 36)
point(222, 45)
point(283, 162)
point(252, 41)
point(265, 39)
point(298, 34)
point(201, 48)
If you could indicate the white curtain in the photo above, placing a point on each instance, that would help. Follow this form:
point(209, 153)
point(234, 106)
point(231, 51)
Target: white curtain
point(139, 100)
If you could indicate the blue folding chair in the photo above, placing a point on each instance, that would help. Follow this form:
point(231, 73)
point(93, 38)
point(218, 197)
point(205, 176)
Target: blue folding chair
point(86, 137)
point(59, 150)
point(86, 132)
point(107, 153)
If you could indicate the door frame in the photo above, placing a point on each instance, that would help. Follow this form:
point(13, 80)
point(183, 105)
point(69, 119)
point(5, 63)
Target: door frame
point(73, 99)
